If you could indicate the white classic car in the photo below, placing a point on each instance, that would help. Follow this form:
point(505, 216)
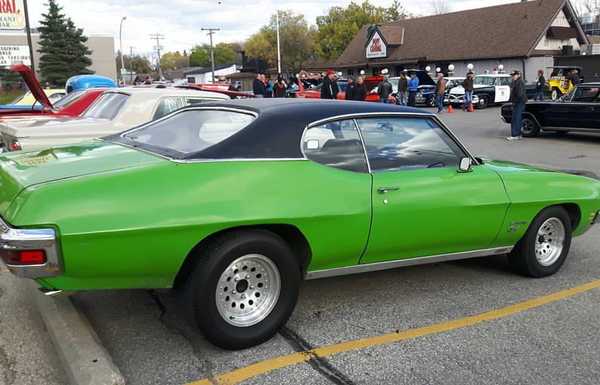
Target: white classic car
point(114, 111)
point(487, 90)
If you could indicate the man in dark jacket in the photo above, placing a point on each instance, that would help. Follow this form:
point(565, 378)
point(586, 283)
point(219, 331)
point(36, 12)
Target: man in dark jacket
point(402, 89)
point(540, 86)
point(360, 90)
point(468, 85)
point(258, 87)
point(518, 97)
point(384, 89)
point(350, 87)
point(329, 88)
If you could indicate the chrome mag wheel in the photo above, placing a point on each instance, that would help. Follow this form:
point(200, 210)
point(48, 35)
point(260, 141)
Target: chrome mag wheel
point(550, 241)
point(248, 290)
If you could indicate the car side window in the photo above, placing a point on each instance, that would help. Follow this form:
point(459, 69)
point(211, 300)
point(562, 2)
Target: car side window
point(168, 105)
point(335, 144)
point(403, 143)
point(586, 95)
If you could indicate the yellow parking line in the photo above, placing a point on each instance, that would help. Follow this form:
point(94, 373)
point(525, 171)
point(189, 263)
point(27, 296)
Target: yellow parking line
point(242, 374)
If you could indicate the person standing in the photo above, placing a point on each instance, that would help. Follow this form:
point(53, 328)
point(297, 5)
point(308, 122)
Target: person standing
point(279, 88)
point(440, 92)
point(384, 89)
point(402, 89)
point(518, 98)
point(350, 89)
point(360, 90)
point(468, 85)
point(258, 86)
point(413, 88)
point(540, 86)
point(329, 88)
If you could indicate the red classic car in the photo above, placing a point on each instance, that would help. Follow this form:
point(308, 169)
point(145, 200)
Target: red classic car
point(71, 105)
point(315, 92)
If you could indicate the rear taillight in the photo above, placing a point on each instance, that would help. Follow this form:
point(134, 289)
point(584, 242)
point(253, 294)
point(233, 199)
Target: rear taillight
point(24, 257)
point(15, 146)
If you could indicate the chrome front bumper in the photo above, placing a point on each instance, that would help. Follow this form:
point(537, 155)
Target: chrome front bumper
point(14, 240)
point(460, 99)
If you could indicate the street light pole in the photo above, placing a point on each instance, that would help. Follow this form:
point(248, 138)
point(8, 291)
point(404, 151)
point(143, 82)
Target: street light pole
point(211, 31)
point(121, 46)
point(28, 31)
point(278, 45)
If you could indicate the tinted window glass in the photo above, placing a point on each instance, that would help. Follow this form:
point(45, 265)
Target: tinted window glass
point(193, 131)
point(484, 80)
point(586, 95)
point(107, 106)
point(407, 143)
point(169, 104)
point(68, 99)
point(335, 144)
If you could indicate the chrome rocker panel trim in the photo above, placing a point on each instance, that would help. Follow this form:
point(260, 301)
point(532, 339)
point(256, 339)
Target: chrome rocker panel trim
point(378, 266)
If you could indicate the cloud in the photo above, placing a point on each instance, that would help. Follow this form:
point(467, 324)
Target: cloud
point(180, 21)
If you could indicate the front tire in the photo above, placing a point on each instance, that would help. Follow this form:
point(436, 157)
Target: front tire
point(243, 288)
point(545, 246)
point(529, 127)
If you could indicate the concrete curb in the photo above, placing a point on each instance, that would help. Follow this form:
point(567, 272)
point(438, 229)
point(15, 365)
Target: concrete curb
point(85, 360)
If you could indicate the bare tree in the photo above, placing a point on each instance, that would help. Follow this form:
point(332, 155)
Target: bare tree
point(439, 7)
point(583, 7)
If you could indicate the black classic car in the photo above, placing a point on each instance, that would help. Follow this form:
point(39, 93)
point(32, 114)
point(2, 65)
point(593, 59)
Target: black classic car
point(577, 111)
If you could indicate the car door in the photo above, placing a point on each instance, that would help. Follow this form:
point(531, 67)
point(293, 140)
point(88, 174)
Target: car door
point(421, 205)
point(584, 108)
point(502, 90)
point(341, 194)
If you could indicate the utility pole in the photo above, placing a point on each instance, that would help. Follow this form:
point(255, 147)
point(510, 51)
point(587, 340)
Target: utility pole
point(120, 75)
point(158, 37)
point(130, 66)
point(210, 33)
point(28, 31)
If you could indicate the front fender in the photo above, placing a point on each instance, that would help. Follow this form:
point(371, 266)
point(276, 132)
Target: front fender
point(530, 190)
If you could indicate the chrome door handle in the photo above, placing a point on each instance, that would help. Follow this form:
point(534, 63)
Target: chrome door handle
point(383, 190)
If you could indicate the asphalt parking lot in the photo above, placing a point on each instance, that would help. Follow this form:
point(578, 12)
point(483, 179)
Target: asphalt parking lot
point(412, 325)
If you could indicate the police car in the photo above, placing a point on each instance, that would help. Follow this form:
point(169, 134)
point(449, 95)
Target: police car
point(488, 89)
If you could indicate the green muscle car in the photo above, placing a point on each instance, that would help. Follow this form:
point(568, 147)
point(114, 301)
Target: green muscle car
point(234, 203)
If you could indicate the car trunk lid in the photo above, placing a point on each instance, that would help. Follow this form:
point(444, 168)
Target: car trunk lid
point(20, 170)
point(32, 83)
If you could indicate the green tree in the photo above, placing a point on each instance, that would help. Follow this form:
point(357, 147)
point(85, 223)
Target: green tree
point(224, 54)
point(63, 52)
point(336, 29)
point(174, 60)
point(135, 63)
point(296, 40)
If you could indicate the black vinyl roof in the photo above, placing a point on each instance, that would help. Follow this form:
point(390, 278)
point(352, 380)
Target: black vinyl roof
point(278, 129)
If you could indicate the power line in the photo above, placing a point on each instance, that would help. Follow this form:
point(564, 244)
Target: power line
point(158, 37)
point(211, 32)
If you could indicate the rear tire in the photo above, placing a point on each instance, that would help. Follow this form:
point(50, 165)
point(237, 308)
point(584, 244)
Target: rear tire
point(483, 103)
point(243, 288)
point(545, 246)
point(529, 127)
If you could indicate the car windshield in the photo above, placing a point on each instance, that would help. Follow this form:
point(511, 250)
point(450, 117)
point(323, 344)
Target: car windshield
point(190, 132)
point(107, 106)
point(68, 99)
point(484, 80)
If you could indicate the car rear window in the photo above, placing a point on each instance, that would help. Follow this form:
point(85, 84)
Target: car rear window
point(107, 106)
point(190, 132)
point(67, 99)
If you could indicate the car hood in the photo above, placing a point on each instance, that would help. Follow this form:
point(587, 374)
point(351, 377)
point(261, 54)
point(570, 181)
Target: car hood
point(459, 90)
point(20, 170)
point(505, 167)
point(32, 83)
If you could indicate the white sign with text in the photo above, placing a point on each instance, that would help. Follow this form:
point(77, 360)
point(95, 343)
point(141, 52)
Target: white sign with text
point(376, 47)
point(12, 15)
point(14, 54)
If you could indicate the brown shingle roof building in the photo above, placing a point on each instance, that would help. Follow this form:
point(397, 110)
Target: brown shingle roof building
point(518, 35)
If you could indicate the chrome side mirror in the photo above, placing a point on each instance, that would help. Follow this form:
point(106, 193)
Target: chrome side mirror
point(465, 165)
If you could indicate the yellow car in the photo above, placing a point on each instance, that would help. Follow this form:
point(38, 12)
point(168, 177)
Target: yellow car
point(560, 82)
point(28, 99)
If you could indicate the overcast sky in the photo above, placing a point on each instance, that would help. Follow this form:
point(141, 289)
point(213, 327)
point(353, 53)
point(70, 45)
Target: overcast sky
point(180, 20)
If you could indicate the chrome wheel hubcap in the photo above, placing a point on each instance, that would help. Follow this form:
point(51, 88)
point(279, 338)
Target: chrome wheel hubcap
point(248, 290)
point(527, 126)
point(550, 241)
